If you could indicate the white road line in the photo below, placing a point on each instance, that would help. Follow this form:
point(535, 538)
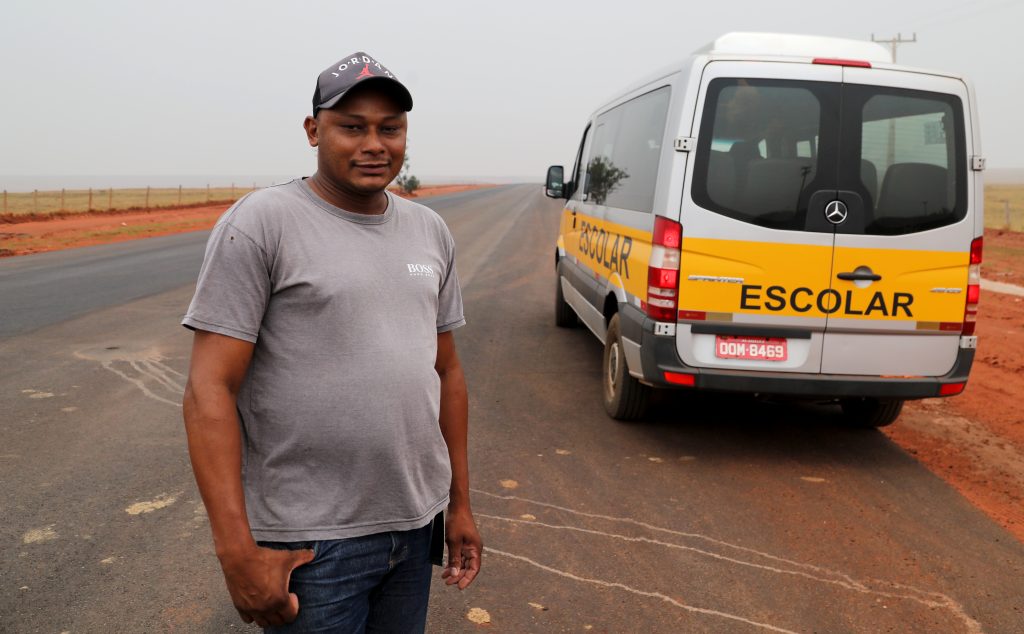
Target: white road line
point(159, 373)
point(824, 575)
point(148, 372)
point(109, 365)
point(1002, 287)
point(632, 590)
point(660, 529)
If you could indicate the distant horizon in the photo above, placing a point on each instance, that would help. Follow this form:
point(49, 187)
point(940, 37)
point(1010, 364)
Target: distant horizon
point(20, 183)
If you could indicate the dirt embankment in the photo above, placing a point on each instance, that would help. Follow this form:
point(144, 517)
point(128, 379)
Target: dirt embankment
point(1004, 256)
point(975, 441)
point(64, 231)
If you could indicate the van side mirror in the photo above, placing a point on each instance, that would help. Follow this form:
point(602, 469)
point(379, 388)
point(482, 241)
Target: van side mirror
point(554, 185)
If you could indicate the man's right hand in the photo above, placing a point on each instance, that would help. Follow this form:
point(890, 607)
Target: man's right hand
point(257, 580)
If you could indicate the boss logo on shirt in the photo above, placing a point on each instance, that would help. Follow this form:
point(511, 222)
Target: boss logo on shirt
point(420, 270)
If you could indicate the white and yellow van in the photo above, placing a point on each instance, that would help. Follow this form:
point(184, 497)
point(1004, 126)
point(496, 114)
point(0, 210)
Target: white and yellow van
point(778, 214)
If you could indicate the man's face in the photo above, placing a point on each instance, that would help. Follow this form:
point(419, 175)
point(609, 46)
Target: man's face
point(361, 141)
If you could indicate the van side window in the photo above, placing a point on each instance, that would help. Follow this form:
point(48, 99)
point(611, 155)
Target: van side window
point(577, 173)
point(758, 156)
point(911, 158)
point(622, 168)
point(598, 181)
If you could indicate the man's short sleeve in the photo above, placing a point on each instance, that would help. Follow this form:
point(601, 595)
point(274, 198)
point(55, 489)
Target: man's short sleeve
point(233, 288)
point(449, 298)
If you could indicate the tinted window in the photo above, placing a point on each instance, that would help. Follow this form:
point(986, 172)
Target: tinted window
point(905, 150)
point(577, 173)
point(626, 147)
point(758, 152)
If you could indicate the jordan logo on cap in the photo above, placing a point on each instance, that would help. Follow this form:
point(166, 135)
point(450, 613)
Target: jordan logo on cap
point(335, 81)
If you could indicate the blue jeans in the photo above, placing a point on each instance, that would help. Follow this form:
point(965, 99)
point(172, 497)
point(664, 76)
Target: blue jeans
point(376, 583)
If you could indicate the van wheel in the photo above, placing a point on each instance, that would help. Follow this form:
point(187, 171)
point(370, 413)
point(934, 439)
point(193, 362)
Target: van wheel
point(872, 412)
point(625, 398)
point(565, 316)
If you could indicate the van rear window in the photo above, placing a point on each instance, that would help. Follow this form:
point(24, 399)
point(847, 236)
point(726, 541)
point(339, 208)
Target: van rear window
point(766, 146)
point(759, 152)
point(904, 154)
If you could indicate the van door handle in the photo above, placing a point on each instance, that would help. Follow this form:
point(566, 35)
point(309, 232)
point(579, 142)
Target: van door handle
point(859, 275)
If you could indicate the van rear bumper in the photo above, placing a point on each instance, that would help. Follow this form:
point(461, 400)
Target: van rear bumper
point(658, 355)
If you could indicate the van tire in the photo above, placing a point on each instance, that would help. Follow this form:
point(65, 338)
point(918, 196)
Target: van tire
point(565, 316)
point(624, 397)
point(872, 412)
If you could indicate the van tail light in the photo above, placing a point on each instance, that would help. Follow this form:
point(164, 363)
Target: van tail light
point(663, 270)
point(951, 389)
point(973, 288)
point(678, 378)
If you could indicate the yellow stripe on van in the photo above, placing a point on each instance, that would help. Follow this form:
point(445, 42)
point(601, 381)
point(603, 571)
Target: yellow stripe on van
point(609, 250)
point(937, 280)
point(796, 280)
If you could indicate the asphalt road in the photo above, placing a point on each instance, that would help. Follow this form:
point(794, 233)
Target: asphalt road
point(48, 288)
point(714, 515)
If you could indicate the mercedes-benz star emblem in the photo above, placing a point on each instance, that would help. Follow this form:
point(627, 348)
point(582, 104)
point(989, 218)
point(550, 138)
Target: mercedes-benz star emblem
point(835, 212)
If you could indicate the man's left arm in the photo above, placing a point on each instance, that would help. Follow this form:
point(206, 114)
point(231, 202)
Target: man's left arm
point(465, 547)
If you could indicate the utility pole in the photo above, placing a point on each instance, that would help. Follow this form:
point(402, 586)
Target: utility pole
point(894, 42)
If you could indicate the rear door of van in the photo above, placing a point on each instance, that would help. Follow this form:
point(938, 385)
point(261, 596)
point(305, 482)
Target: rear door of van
point(756, 264)
point(900, 265)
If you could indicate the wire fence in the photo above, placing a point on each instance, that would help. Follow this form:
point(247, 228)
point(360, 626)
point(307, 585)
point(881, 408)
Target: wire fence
point(1004, 207)
point(1004, 204)
point(60, 201)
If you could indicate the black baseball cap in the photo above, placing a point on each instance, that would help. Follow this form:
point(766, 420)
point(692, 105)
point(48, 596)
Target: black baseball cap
point(334, 82)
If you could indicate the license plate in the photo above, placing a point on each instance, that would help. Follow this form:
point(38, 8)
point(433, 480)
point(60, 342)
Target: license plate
point(751, 348)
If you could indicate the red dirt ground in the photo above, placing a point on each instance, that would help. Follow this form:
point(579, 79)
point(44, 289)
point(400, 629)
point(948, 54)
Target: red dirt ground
point(1004, 256)
point(85, 229)
point(974, 441)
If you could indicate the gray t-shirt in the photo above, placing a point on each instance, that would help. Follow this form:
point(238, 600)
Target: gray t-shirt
point(339, 409)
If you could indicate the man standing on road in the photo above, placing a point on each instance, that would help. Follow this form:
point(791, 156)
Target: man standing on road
point(326, 408)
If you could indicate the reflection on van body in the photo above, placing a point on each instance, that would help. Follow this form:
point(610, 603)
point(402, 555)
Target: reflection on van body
point(603, 178)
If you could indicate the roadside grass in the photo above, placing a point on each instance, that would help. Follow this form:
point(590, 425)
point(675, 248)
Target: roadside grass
point(1000, 197)
point(44, 203)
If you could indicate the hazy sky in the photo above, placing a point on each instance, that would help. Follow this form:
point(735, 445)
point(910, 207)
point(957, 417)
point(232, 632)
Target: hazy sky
point(501, 89)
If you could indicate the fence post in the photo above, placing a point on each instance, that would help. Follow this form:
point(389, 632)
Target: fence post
point(90, 199)
point(207, 193)
point(62, 199)
point(1006, 212)
point(179, 195)
point(35, 206)
point(147, 197)
point(110, 199)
